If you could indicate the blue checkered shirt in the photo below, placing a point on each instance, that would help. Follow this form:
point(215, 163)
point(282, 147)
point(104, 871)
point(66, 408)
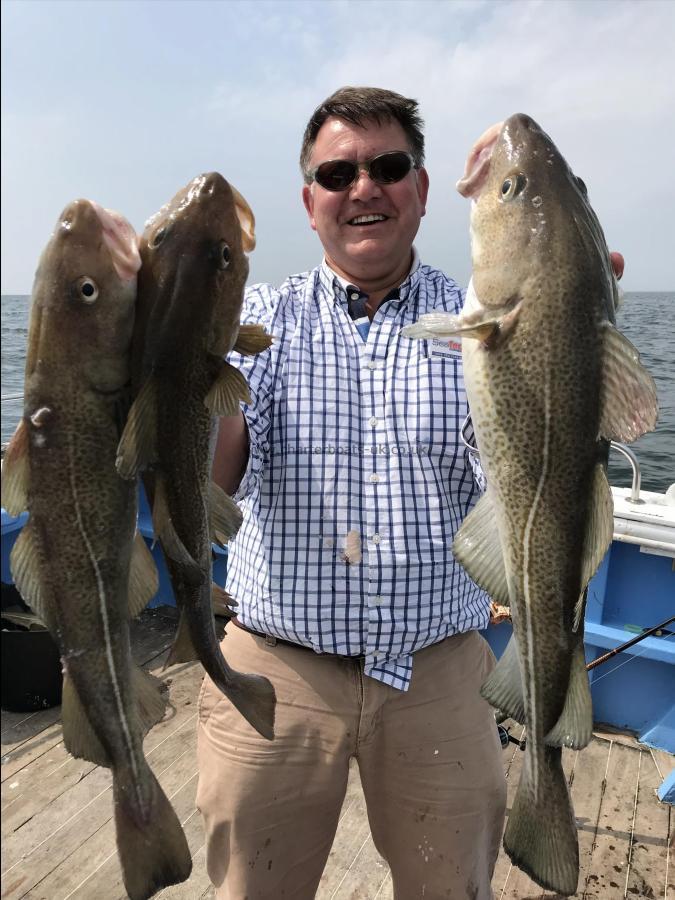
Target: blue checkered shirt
point(357, 478)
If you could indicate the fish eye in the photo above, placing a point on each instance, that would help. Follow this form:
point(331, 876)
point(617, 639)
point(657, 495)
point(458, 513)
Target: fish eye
point(158, 237)
point(86, 289)
point(223, 255)
point(513, 185)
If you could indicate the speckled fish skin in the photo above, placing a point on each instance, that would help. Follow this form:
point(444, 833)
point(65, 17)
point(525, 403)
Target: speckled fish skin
point(190, 298)
point(72, 560)
point(550, 381)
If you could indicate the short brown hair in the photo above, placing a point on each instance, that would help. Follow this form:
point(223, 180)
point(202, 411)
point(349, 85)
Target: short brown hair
point(358, 105)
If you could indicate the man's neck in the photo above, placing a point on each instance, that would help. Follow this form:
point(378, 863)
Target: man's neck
point(377, 289)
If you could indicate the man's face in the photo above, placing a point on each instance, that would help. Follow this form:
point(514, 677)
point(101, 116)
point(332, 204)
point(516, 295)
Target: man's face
point(370, 252)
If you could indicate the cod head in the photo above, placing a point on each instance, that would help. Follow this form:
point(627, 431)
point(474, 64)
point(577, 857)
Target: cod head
point(195, 266)
point(530, 216)
point(83, 299)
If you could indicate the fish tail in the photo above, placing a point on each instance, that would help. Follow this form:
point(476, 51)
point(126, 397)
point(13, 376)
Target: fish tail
point(253, 696)
point(152, 847)
point(541, 835)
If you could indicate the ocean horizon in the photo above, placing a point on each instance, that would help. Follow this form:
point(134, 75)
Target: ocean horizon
point(644, 317)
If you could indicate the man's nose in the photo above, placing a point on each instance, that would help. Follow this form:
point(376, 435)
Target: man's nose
point(364, 188)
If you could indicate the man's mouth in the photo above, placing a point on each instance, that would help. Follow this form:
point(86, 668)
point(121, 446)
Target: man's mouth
point(368, 220)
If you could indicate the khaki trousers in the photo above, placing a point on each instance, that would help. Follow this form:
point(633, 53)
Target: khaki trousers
point(429, 759)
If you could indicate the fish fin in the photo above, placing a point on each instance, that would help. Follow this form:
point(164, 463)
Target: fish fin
point(172, 545)
point(503, 688)
point(225, 517)
point(223, 604)
point(629, 405)
point(24, 561)
point(151, 703)
point(138, 447)
point(252, 339)
point(477, 547)
point(16, 472)
point(143, 577)
point(574, 728)
point(183, 648)
point(153, 851)
point(253, 696)
point(79, 738)
point(445, 324)
point(599, 524)
point(541, 834)
point(226, 391)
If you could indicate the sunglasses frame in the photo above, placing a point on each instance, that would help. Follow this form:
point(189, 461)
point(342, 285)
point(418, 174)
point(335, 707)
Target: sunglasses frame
point(364, 166)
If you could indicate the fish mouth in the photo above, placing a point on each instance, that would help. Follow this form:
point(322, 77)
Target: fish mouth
point(121, 241)
point(367, 219)
point(477, 165)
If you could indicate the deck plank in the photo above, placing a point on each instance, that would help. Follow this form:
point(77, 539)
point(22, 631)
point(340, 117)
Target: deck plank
point(647, 875)
point(610, 852)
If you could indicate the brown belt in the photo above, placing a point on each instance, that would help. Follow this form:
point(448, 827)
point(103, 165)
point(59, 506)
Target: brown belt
point(272, 641)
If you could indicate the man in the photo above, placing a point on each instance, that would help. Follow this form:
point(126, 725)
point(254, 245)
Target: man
point(353, 479)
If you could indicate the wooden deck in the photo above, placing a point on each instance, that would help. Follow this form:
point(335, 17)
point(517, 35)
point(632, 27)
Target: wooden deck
point(58, 837)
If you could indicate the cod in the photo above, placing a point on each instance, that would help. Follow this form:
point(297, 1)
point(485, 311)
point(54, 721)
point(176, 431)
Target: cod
point(77, 562)
point(550, 381)
point(190, 294)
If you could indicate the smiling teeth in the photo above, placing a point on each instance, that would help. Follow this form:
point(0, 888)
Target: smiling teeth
point(361, 220)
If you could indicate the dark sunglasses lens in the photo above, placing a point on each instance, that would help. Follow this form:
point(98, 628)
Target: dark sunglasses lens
point(336, 175)
point(390, 167)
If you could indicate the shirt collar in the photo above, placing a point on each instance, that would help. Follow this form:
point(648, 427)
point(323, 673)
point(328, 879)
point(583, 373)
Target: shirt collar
point(339, 287)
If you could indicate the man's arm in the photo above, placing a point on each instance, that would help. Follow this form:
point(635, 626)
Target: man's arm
point(231, 453)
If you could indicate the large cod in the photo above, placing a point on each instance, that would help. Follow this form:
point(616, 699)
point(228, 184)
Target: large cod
point(76, 562)
point(550, 381)
point(190, 296)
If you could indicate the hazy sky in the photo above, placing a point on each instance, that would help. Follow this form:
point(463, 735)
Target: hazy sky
point(124, 102)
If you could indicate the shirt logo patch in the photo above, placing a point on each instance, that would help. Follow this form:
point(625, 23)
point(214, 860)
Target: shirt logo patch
point(446, 347)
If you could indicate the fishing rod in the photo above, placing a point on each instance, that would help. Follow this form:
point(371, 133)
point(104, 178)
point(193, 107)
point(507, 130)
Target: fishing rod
point(659, 630)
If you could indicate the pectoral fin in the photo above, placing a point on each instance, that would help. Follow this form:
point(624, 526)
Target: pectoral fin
point(138, 447)
point(599, 524)
point(226, 391)
point(16, 472)
point(24, 561)
point(629, 402)
point(143, 577)
point(225, 517)
point(252, 339)
point(444, 324)
point(477, 547)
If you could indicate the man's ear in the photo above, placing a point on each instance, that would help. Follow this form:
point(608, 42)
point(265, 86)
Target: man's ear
point(422, 188)
point(308, 201)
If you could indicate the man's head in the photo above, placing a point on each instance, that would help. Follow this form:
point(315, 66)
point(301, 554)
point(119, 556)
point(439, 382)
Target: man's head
point(355, 125)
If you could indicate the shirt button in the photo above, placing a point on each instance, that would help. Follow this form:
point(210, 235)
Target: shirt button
point(376, 538)
point(374, 478)
point(354, 295)
point(371, 364)
point(377, 601)
point(372, 421)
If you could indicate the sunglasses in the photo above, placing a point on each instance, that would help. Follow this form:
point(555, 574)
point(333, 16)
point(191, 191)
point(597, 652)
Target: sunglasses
point(387, 168)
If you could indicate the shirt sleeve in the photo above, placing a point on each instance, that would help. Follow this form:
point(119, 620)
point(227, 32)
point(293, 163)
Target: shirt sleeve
point(258, 309)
